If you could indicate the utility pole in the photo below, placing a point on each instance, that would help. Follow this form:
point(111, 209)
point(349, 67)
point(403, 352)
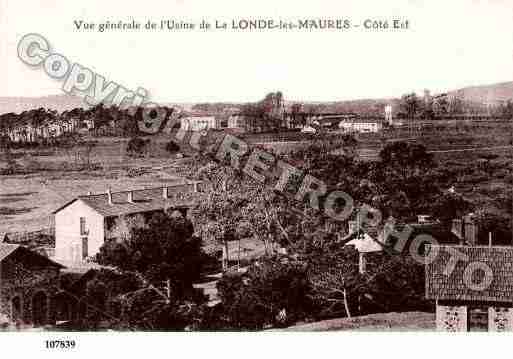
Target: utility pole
point(168, 291)
point(362, 263)
point(361, 259)
point(238, 256)
point(361, 255)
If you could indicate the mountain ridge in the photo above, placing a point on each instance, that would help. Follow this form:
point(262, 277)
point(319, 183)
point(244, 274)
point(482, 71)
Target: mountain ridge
point(492, 94)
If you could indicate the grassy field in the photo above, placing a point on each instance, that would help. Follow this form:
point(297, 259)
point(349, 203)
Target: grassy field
point(394, 322)
point(27, 200)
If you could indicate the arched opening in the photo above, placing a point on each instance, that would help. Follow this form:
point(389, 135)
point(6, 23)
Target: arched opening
point(16, 308)
point(63, 306)
point(40, 308)
point(80, 310)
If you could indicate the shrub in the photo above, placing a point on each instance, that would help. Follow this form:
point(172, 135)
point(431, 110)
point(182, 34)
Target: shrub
point(165, 249)
point(172, 147)
point(273, 292)
point(136, 146)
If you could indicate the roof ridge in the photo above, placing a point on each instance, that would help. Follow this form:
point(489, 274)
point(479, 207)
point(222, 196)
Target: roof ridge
point(10, 244)
point(141, 189)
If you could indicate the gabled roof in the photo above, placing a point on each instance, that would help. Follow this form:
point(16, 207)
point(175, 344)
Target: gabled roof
point(8, 250)
point(438, 231)
point(365, 243)
point(145, 200)
point(455, 287)
point(3, 237)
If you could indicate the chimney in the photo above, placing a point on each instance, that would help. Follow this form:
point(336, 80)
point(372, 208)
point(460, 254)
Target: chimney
point(471, 233)
point(470, 230)
point(458, 229)
point(164, 193)
point(352, 227)
point(109, 195)
point(130, 197)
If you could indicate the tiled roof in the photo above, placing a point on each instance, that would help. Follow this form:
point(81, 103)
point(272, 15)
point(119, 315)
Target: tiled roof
point(3, 236)
point(6, 250)
point(455, 287)
point(145, 200)
point(364, 120)
point(439, 232)
point(33, 257)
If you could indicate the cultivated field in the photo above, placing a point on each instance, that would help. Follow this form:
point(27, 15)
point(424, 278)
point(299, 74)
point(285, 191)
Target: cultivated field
point(27, 200)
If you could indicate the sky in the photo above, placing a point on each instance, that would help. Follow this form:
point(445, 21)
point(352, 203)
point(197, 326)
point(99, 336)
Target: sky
point(450, 44)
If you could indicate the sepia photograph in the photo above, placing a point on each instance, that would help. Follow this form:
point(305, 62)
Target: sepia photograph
point(188, 168)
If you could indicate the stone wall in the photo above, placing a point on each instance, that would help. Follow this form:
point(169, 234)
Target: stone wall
point(455, 318)
point(500, 319)
point(451, 318)
point(25, 289)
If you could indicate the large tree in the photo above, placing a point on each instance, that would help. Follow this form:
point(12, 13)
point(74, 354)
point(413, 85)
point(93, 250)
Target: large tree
point(410, 105)
point(163, 250)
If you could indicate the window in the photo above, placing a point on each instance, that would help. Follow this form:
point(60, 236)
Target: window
point(85, 249)
point(478, 319)
point(83, 231)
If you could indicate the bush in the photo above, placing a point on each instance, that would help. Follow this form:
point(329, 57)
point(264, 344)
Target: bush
point(136, 146)
point(172, 147)
point(146, 310)
point(165, 249)
point(273, 292)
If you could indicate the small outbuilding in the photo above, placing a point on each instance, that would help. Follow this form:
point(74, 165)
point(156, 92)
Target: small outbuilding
point(472, 287)
point(28, 284)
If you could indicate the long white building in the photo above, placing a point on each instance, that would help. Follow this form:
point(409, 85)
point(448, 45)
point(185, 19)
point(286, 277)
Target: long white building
point(83, 224)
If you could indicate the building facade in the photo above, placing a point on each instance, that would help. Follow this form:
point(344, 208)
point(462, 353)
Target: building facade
point(29, 287)
point(472, 287)
point(362, 125)
point(83, 224)
point(198, 123)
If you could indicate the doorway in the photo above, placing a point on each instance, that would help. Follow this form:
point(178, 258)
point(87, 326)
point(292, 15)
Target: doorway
point(40, 308)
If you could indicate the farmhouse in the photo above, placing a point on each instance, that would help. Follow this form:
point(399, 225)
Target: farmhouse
point(473, 292)
point(238, 122)
point(29, 285)
point(25, 131)
point(371, 124)
point(364, 240)
point(198, 122)
point(85, 223)
point(295, 120)
point(367, 240)
point(229, 119)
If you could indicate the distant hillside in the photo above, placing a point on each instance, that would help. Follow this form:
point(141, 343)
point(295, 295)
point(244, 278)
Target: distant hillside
point(53, 102)
point(486, 94)
point(363, 106)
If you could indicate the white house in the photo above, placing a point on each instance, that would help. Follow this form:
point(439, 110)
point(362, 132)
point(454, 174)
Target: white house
point(364, 241)
point(237, 121)
point(362, 125)
point(308, 129)
point(198, 123)
point(83, 224)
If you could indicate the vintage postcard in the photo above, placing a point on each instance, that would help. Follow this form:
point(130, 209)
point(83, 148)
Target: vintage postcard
point(267, 166)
